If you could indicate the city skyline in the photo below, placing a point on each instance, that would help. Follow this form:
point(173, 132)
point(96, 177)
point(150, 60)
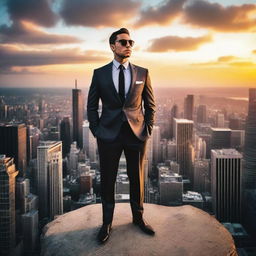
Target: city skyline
point(178, 165)
point(200, 43)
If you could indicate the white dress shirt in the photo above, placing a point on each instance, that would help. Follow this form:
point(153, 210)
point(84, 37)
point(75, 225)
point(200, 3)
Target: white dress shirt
point(127, 75)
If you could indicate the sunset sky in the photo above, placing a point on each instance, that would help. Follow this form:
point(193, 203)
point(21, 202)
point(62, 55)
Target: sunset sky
point(183, 43)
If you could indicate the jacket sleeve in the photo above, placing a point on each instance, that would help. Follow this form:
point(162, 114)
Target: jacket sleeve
point(149, 105)
point(93, 105)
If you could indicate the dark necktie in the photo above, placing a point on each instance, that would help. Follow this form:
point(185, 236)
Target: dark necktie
point(121, 89)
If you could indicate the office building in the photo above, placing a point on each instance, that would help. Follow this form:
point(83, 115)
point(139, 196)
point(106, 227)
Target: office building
point(30, 230)
point(174, 114)
point(65, 135)
point(189, 107)
point(78, 114)
point(156, 147)
point(13, 138)
point(250, 143)
point(220, 138)
point(49, 179)
point(226, 180)
point(8, 175)
point(183, 130)
point(201, 114)
point(89, 142)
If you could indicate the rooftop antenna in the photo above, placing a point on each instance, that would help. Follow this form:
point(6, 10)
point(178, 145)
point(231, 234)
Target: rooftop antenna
point(76, 84)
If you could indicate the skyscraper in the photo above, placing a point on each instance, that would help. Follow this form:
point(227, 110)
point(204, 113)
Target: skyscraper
point(189, 107)
point(89, 142)
point(183, 130)
point(249, 174)
point(8, 173)
point(78, 113)
point(49, 179)
point(220, 138)
point(174, 114)
point(13, 143)
point(250, 143)
point(156, 144)
point(65, 135)
point(226, 173)
point(220, 120)
point(201, 114)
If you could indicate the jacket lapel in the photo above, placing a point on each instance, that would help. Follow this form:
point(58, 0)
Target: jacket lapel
point(133, 79)
point(110, 81)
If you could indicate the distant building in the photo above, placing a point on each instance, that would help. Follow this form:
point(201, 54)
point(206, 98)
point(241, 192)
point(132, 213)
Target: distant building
point(189, 107)
point(249, 177)
point(250, 143)
point(183, 130)
point(174, 114)
point(13, 138)
point(226, 180)
point(8, 175)
point(220, 120)
point(193, 198)
point(201, 114)
point(156, 144)
point(220, 138)
point(30, 230)
point(170, 189)
point(202, 175)
point(78, 114)
point(73, 157)
point(237, 139)
point(65, 135)
point(49, 179)
point(89, 142)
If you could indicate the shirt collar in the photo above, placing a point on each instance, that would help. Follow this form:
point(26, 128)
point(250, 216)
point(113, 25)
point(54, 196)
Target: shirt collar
point(117, 64)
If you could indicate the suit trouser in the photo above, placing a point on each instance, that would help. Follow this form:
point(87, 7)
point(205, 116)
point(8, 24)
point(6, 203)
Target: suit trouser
point(109, 154)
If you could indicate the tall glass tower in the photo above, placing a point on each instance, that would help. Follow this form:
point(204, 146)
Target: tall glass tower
point(78, 112)
point(250, 143)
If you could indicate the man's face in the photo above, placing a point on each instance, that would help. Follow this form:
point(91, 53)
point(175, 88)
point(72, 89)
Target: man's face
point(119, 50)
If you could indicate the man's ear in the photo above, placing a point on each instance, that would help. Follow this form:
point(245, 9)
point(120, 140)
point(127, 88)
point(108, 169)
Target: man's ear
point(112, 46)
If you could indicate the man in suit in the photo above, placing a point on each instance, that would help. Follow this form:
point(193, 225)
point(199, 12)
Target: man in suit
point(125, 124)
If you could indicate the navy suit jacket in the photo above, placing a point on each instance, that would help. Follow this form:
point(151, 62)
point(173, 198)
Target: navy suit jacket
point(138, 109)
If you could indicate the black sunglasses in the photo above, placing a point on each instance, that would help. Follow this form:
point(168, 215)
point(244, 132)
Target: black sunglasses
point(123, 42)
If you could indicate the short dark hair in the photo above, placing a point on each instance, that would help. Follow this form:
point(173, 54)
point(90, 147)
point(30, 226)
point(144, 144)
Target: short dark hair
point(113, 37)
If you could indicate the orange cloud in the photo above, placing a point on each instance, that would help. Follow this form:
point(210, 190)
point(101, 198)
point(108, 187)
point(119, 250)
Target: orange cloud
point(176, 43)
point(12, 57)
point(226, 58)
point(227, 61)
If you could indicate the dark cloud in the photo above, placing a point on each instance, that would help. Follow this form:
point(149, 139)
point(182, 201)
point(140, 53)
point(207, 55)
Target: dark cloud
point(36, 11)
point(161, 14)
point(98, 13)
point(13, 57)
point(20, 33)
point(217, 17)
point(176, 43)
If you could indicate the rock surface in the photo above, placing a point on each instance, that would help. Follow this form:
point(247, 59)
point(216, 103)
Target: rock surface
point(180, 231)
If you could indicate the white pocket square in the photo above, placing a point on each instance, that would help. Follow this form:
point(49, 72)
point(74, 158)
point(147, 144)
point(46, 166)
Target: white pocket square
point(139, 82)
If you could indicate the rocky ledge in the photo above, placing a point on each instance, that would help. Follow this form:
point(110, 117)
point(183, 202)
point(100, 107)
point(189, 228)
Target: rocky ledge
point(180, 231)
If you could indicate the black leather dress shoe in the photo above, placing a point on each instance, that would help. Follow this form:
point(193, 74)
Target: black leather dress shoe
point(104, 233)
point(146, 228)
